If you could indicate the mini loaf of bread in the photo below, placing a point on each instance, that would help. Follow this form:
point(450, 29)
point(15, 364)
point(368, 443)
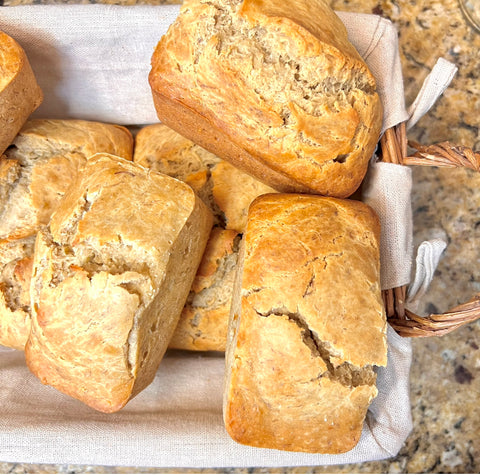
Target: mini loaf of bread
point(307, 325)
point(20, 94)
point(111, 274)
point(227, 192)
point(35, 172)
point(44, 160)
point(274, 87)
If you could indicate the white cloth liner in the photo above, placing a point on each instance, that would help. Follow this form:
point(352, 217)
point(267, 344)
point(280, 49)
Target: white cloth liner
point(433, 87)
point(387, 189)
point(92, 62)
point(429, 254)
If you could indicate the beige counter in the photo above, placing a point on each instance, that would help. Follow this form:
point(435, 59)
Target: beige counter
point(445, 378)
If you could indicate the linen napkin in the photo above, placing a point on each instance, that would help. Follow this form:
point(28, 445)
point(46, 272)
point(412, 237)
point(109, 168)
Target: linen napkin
point(92, 62)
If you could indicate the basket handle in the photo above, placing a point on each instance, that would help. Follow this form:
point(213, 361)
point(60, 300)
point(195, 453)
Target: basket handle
point(394, 149)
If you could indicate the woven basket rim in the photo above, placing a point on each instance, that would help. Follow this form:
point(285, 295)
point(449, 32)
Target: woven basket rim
point(393, 148)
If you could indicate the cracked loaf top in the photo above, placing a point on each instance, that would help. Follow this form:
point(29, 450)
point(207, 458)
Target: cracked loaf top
point(111, 274)
point(274, 87)
point(307, 325)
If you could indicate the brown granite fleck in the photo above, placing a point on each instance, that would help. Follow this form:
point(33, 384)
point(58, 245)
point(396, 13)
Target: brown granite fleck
point(462, 375)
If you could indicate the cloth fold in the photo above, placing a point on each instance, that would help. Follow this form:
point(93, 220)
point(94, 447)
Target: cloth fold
point(387, 189)
point(92, 62)
point(433, 87)
point(376, 39)
point(428, 257)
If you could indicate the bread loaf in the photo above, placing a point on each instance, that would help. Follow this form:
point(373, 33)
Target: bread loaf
point(111, 274)
point(307, 325)
point(274, 87)
point(227, 192)
point(35, 172)
point(20, 94)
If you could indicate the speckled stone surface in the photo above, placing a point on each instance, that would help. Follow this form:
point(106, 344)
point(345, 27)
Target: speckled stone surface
point(445, 377)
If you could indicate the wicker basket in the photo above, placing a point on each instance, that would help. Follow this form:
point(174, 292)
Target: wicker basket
point(394, 149)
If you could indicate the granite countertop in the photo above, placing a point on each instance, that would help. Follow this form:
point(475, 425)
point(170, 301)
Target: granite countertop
point(445, 376)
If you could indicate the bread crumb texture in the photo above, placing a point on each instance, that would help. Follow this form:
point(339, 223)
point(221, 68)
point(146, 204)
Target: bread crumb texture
point(16, 258)
point(276, 83)
point(310, 326)
point(203, 324)
point(111, 274)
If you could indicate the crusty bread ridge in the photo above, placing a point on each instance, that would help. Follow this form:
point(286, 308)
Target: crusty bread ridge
point(35, 172)
point(20, 94)
point(264, 85)
point(16, 259)
point(307, 325)
point(111, 274)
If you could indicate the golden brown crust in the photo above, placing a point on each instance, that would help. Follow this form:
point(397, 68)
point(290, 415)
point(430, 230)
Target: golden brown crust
point(302, 347)
point(20, 94)
point(303, 117)
point(112, 272)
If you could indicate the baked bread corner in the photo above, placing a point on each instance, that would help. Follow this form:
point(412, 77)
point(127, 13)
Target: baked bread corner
point(20, 94)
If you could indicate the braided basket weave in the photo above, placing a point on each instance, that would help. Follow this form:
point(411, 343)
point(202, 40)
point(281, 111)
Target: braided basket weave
point(394, 149)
